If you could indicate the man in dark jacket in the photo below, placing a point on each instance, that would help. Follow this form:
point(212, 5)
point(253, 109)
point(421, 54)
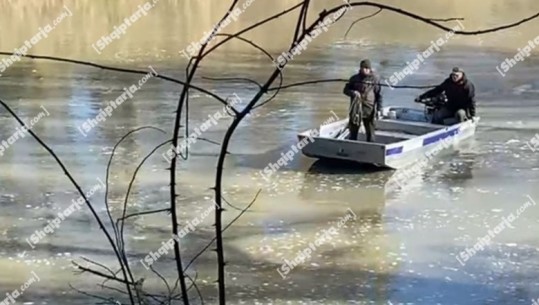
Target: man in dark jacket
point(460, 94)
point(365, 95)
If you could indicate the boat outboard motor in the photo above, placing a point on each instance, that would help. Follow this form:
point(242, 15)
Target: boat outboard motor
point(433, 103)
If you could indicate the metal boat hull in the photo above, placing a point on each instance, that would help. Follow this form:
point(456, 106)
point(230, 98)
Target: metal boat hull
point(399, 141)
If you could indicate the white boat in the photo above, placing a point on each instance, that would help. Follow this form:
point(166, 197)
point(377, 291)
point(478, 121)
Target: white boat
point(403, 136)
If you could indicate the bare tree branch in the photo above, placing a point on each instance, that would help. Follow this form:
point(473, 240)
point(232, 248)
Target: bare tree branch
point(105, 300)
point(225, 228)
point(362, 18)
point(119, 239)
point(302, 30)
point(103, 275)
point(342, 80)
point(79, 189)
point(247, 80)
point(269, 57)
point(184, 99)
point(142, 213)
point(132, 71)
point(194, 284)
point(164, 281)
point(131, 182)
point(431, 21)
point(98, 264)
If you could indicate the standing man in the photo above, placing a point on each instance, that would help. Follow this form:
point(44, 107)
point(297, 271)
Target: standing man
point(460, 94)
point(365, 95)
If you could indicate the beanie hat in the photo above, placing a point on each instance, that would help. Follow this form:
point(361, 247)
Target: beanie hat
point(365, 64)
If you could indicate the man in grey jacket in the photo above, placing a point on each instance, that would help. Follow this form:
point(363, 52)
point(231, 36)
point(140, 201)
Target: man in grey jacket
point(366, 100)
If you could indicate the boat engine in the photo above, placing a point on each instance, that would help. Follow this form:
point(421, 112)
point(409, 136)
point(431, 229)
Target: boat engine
point(432, 104)
point(435, 102)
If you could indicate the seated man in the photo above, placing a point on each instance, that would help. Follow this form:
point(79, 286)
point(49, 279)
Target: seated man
point(365, 95)
point(460, 94)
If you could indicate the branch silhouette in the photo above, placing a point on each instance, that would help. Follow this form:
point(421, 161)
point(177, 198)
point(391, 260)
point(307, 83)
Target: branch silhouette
point(302, 29)
point(79, 189)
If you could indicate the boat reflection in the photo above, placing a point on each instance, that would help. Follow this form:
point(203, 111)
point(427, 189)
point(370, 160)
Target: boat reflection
point(359, 256)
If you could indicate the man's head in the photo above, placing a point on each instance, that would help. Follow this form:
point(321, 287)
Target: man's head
point(457, 74)
point(365, 67)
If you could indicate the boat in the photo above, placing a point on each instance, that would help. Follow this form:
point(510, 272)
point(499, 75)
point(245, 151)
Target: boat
point(403, 136)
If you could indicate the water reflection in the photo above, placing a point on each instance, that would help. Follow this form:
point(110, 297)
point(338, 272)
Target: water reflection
point(362, 244)
point(459, 171)
point(366, 261)
point(161, 34)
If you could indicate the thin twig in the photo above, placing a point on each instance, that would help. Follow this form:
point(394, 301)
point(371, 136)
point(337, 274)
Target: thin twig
point(143, 213)
point(106, 300)
point(247, 80)
point(109, 164)
point(131, 182)
point(281, 78)
point(362, 18)
point(132, 71)
point(101, 274)
point(98, 264)
point(184, 97)
point(164, 281)
point(79, 189)
point(231, 205)
point(194, 284)
point(445, 19)
point(342, 80)
point(229, 224)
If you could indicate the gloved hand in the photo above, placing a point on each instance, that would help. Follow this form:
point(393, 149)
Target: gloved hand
point(357, 94)
point(471, 114)
point(379, 114)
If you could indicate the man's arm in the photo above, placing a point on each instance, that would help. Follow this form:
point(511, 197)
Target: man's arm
point(378, 98)
point(435, 91)
point(471, 99)
point(348, 90)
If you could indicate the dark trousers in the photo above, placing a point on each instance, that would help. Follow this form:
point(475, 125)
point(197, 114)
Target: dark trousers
point(443, 115)
point(362, 113)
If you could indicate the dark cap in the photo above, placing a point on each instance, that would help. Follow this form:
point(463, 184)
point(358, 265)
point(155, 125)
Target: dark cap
point(457, 69)
point(365, 64)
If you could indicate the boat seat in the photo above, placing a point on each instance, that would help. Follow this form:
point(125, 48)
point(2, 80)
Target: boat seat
point(394, 134)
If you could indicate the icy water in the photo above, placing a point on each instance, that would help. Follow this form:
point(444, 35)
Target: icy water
point(385, 245)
